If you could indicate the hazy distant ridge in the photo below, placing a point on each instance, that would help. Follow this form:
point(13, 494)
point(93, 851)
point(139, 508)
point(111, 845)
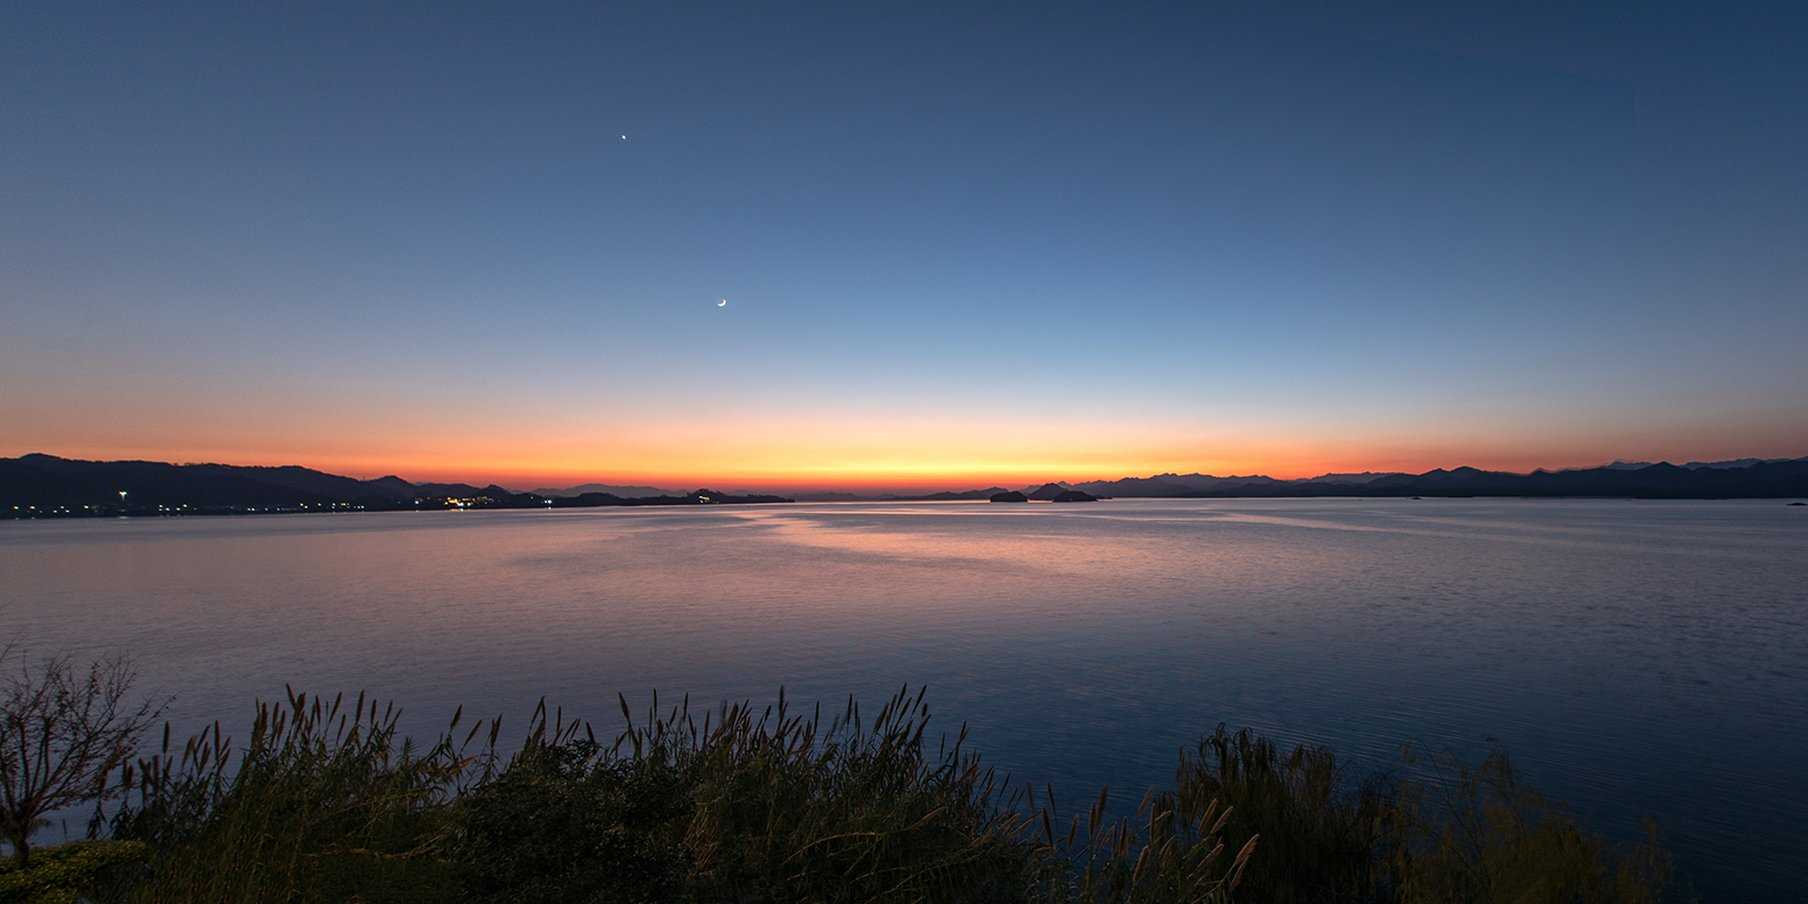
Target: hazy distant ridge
point(71, 486)
point(1747, 478)
point(628, 491)
point(47, 480)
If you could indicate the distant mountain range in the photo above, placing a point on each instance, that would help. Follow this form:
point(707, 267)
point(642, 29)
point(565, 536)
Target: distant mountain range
point(1730, 463)
point(625, 492)
point(1175, 485)
point(39, 484)
point(1739, 478)
point(1745, 478)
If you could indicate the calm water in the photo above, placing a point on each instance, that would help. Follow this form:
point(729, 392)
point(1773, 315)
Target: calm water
point(1634, 657)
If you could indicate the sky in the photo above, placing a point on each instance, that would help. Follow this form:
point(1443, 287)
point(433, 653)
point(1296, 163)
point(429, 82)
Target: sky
point(961, 245)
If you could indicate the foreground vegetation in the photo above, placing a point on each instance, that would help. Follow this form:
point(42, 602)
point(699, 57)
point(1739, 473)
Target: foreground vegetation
point(325, 801)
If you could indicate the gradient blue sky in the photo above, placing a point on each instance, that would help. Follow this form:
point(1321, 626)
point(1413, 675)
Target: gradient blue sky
point(960, 244)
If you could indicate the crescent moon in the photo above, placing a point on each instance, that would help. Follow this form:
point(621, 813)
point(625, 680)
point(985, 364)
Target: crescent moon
point(722, 304)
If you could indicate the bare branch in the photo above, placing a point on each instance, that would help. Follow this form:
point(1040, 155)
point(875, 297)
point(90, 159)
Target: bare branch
point(63, 730)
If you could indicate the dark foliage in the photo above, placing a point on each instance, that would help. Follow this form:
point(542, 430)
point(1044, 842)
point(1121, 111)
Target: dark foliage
point(764, 805)
point(563, 823)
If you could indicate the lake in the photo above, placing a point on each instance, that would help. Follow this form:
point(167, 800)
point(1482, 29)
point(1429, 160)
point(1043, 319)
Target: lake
point(1633, 657)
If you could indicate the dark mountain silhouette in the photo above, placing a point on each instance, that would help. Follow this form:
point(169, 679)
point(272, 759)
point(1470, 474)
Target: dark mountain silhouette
point(1074, 496)
point(949, 496)
point(1731, 463)
point(393, 485)
point(317, 485)
point(1739, 479)
point(1009, 496)
point(1169, 484)
point(625, 492)
point(460, 490)
point(1357, 478)
point(1658, 481)
point(1158, 485)
point(39, 484)
point(1742, 478)
point(46, 480)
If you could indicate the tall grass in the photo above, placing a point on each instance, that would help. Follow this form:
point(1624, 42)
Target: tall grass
point(325, 801)
point(1477, 833)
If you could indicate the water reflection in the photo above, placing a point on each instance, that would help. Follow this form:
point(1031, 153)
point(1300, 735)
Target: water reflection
point(1635, 657)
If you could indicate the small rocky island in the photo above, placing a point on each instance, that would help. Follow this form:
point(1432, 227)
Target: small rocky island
point(1010, 496)
point(1074, 496)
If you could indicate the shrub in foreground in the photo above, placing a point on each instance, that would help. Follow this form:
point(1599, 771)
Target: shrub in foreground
point(328, 803)
point(66, 873)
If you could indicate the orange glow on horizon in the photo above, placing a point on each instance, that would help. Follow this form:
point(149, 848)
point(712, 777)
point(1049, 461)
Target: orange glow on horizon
point(792, 451)
point(889, 474)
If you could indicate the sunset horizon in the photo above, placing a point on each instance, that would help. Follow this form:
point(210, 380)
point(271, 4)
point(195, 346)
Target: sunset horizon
point(861, 477)
point(1335, 452)
point(781, 262)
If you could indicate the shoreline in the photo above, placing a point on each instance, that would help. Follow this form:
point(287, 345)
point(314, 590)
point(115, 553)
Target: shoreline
point(67, 514)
